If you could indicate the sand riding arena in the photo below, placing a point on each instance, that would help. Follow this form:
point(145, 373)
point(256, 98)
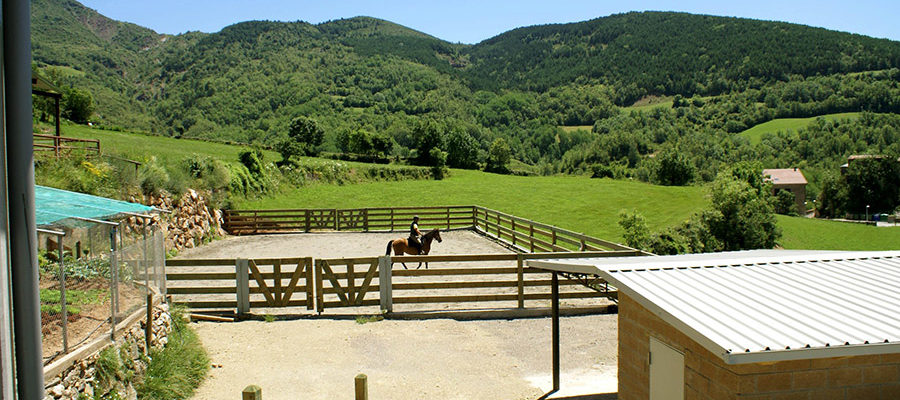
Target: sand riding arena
point(472, 325)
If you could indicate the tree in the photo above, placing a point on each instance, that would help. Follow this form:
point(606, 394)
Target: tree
point(636, 233)
point(833, 197)
point(462, 150)
point(741, 217)
point(78, 105)
point(674, 168)
point(439, 168)
point(304, 137)
point(785, 203)
point(873, 182)
point(428, 135)
point(498, 157)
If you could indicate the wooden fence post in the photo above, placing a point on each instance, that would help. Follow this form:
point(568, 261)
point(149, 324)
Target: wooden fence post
point(384, 284)
point(251, 392)
point(362, 389)
point(513, 223)
point(366, 219)
point(310, 296)
point(320, 294)
point(520, 271)
point(531, 237)
point(448, 218)
point(242, 281)
point(307, 211)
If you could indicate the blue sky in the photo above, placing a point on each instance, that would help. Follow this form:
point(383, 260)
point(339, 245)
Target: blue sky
point(469, 21)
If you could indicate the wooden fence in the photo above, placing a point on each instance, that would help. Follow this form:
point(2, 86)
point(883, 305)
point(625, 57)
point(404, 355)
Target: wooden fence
point(62, 144)
point(530, 236)
point(241, 283)
point(372, 281)
point(523, 234)
point(239, 222)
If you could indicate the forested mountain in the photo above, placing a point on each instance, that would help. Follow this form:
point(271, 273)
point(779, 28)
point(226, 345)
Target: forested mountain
point(361, 77)
point(671, 53)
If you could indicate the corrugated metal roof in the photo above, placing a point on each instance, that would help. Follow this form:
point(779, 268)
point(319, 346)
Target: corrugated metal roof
point(763, 306)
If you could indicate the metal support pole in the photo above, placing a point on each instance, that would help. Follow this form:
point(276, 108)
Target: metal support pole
point(146, 257)
point(18, 187)
point(555, 317)
point(62, 295)
point(113, 289)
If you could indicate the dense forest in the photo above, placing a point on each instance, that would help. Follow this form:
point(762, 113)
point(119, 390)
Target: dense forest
point(379, 88)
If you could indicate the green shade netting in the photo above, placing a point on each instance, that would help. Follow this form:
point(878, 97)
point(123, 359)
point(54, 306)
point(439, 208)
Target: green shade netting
point(52, 206)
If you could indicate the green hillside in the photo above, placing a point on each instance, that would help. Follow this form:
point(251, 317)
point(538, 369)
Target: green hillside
point(670, 53)
point(755, 133)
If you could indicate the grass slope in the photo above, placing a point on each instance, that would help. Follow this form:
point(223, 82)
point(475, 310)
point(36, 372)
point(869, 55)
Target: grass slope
point(577, 203)
point(572, 202)
point(755, 133)
point(806, 233)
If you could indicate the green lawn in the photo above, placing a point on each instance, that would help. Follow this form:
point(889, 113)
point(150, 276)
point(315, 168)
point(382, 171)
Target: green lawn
point(168, 150)
point(755, 133)
point(806, 233)
point(140, 147)
point(572, 202)
point(650, 103)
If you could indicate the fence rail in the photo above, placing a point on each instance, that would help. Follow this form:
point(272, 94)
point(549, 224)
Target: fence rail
point(238, 222)
point(241, 283)
point(523, 234)
point(371, 281)
point(63, 144)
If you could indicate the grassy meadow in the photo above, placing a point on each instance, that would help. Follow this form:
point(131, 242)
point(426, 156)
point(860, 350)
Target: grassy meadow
point(577, 203)
point(755, 133)
point(572, 202)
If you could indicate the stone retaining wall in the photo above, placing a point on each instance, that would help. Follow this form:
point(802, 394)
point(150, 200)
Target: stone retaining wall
point(82, 377)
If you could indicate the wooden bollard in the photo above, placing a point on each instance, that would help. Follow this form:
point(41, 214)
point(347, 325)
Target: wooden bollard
point(362, 390)
point(251, 392)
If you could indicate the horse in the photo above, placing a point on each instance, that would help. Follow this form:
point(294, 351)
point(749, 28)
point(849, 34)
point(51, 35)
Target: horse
point(401, 246)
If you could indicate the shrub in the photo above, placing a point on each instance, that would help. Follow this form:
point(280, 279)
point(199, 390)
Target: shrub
point(178, 369)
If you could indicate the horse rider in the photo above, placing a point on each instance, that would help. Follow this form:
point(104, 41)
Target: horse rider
point(414, 235)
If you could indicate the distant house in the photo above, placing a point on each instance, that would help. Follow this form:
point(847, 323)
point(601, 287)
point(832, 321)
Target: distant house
point(790, 179)
point(856, 157)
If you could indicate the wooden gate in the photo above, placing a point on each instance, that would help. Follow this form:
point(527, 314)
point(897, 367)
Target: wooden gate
point(350, 293)
point(271, 284)
point(226, 283)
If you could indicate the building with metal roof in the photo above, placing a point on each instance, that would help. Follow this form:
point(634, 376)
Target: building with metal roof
point(790, 180)
point(760, 323)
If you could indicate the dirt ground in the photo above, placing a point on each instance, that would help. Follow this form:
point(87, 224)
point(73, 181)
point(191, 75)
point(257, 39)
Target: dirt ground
point(317, 357)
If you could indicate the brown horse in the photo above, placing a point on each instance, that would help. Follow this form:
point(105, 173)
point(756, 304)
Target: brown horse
point(401, 246)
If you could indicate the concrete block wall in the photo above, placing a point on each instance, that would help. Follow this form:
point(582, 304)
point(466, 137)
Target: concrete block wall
point(708, 377)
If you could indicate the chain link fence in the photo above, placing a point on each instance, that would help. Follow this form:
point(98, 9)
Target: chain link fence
point(88, 286)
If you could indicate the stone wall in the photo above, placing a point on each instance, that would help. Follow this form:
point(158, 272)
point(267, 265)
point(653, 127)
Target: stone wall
point(706, 376)
point(191, 223)
point(82, 378)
